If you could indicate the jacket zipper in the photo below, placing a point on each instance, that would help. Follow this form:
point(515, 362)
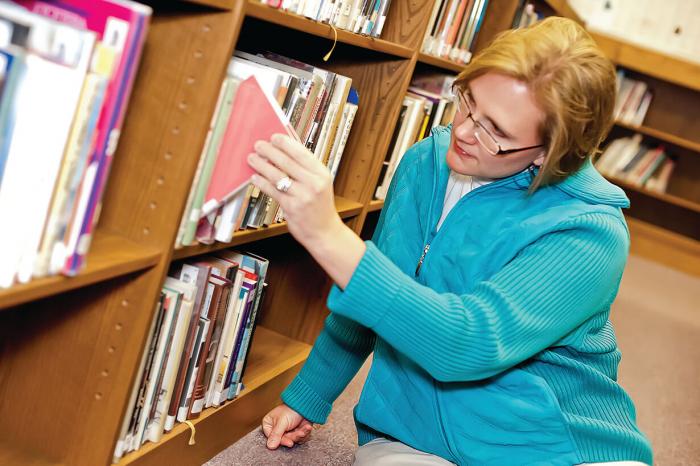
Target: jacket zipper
point(422, 258)
point(480, 189)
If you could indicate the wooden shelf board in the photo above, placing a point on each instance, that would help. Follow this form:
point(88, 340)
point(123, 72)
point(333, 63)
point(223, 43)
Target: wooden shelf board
point(652, 63)
point(271, 356)
point(663, 136)
point(669, 198)
point(562, 8)
point(375, 205)
point(255, 9)
point(223, 4)
point(345, 207)
point(663, 246)
point(110, 256)
point(448, 65)
point(12, 455)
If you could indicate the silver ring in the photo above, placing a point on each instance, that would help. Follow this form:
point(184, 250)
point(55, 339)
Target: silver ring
point(284, 184)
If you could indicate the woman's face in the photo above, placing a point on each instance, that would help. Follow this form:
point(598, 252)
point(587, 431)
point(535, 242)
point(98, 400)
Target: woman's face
point(507, 112)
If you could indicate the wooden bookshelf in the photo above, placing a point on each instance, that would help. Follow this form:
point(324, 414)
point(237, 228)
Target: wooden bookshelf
point(668, 198)
point(663, 246)
point(375, 205)
point(441, 63)
point(84, 336)
point(223, 4)
point(345, 208)
point(673, 119)
point(272, 362)
point(110, 256)
point(649, 62)
point(11, 455)
point(258, 10)
point(662, 136)
point(562, 8)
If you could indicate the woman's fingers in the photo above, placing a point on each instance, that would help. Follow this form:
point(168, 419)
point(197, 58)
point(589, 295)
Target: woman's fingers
point(268, 188)
point(265, 168)
point(282, 160)
point(267, 423)
point(276, 432)
point(298, 152)
point(299, 435)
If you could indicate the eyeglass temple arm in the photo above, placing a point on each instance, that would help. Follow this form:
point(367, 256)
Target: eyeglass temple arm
point(510, 151)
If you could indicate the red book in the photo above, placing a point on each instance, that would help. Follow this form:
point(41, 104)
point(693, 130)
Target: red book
point(255, 116)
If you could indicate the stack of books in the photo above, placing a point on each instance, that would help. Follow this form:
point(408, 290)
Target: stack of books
point(633, 100)
point(66, 72)
point(453, 28)
point(629, 160)
point(197, 346)
point(365, 17)
point(318, 104)
point(427, 104)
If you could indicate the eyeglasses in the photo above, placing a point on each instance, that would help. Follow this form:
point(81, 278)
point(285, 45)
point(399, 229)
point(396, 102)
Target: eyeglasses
point(483, 135)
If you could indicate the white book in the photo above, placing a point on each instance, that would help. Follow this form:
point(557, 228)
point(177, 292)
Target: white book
point(52, 253)
point(196, 351)
point(439, 46)
point(383, 186)
point(626, 154)
point(332, 119)
point(603, 162)
point(166, 334)
point(121, 446)
point(343, 14)
point(338, 149)
point(46, 101)
point(192, 369)
point(225, 340)
point(427, 39)
point(311, 9)
point(188, 290)
point(439, 111)
point(635, 101)
point(269, 78)
point(643, 108)
point(413, 120)
point(227, 220)
point(220, 392)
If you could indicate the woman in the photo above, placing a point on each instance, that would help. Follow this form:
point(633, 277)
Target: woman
point(486, 290)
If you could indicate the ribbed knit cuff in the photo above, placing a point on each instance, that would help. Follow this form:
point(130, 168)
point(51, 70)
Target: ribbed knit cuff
point(305, 401)
point(371, 289)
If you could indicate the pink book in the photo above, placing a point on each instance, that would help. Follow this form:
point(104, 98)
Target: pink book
point(255, 116)
point(120, 25)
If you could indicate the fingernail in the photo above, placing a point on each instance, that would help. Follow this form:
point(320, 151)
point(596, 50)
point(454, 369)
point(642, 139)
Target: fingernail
point(257, 145)
point(277, 137)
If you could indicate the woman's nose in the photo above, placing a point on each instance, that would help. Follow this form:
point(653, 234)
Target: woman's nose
point(465, 131)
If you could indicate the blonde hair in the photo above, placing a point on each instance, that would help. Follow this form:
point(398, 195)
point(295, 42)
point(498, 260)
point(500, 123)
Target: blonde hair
point(572, 81)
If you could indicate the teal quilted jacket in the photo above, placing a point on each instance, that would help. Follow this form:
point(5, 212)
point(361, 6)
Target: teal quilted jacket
point(491, 338)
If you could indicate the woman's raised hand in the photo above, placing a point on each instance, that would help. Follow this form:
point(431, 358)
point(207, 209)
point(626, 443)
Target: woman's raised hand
point(301, 184)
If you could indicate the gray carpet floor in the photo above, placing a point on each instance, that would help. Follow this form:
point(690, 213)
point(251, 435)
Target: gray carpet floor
point(657, 321)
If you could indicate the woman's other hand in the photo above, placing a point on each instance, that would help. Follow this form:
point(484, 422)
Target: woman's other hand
point(284, 426)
